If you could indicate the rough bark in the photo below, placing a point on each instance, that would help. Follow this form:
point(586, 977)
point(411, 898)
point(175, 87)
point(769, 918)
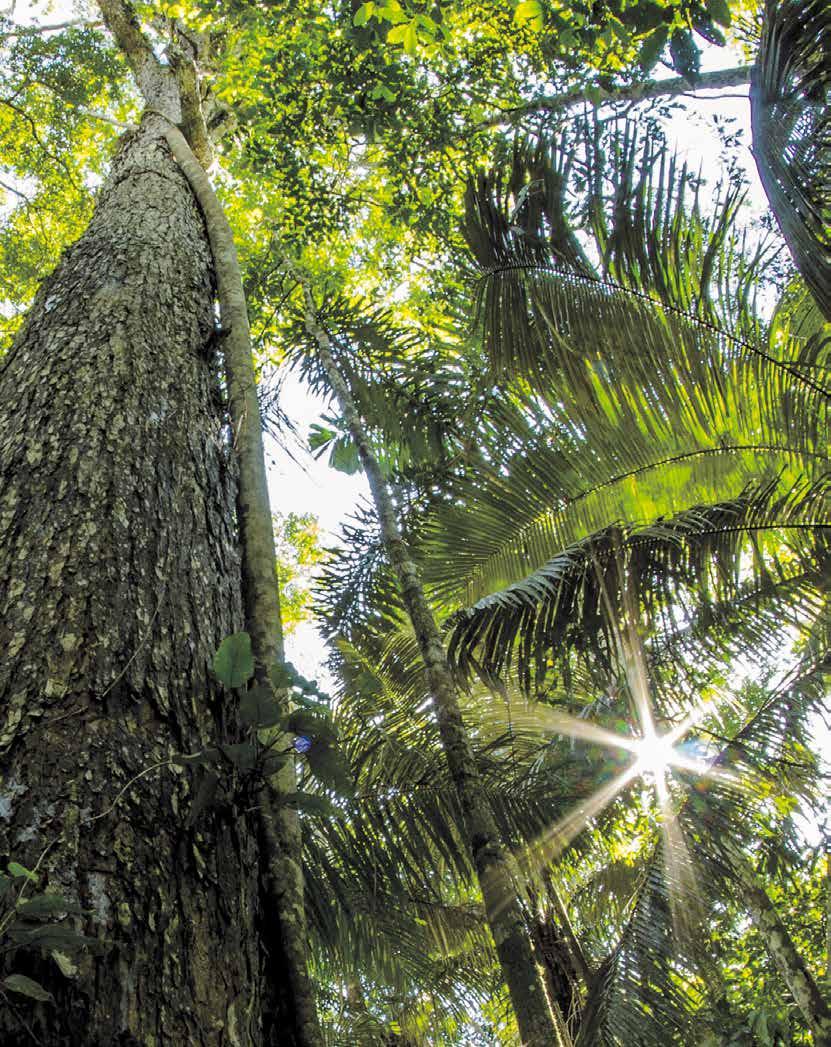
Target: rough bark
point(119, 576)
point(537, 1025)
point(279, 827)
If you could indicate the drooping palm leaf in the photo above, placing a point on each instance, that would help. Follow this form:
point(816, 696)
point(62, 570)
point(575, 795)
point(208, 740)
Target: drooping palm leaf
point(791, 119)
point(565, 601)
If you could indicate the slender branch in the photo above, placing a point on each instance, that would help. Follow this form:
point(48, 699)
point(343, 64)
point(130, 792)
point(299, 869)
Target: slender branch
point(26, 30)
point(639, 92)
point(17, 192)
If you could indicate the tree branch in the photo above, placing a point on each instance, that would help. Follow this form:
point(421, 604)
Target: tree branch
point(172, 90)
point(639, 92)
point(25, 30)
point(155, 81)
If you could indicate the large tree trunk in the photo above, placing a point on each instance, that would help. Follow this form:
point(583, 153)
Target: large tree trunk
point(119, 576)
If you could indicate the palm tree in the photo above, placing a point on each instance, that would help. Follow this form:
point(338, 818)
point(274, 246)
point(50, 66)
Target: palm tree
point(643, 452)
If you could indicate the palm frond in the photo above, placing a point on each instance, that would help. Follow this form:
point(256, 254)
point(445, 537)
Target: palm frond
point(565, 601)
point(791, 120)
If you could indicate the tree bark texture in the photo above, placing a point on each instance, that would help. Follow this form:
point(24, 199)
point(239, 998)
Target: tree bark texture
point(119, 577)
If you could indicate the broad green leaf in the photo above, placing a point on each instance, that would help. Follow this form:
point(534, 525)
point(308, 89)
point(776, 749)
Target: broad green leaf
point(330, 766)
point(719, 11)
point(529, 12)
point(301, 721)
point(282, 675)
point(686, 58)
point(363, 14)
point(24, 986)
point(45, 906)
point(51, 936)
point(19, 871)
point(652, 47)
point(410, 40)
point(242, 755)
point(379, 91)
point(259, 708)
point(66, 966)
point(234, 661)
point(643, 16)
point(320, 436)
point(397, 33)
point(272, 762)
point(344, 456)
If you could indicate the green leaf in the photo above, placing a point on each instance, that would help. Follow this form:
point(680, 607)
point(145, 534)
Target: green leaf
point(282, 675)
point(397, 33)
point(529, 12)
point(686, 58)
point(50, 936)
point(719, 12)
point(17, 870)
point(705, 27)
point(379, 91)
point(24, 986)
point(272, 762)
point(301, 721)
point(234, 661)
point(330, 766)
point(204, 797)
point(410, 40)
point(320, 436)
point(643, 17)
point(652, 47)
point(45, 906)
point(363, 14)
point(259, 708)
point(242, 755)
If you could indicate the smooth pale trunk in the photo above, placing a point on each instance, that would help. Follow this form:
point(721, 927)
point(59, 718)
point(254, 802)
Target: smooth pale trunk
point(119, 576)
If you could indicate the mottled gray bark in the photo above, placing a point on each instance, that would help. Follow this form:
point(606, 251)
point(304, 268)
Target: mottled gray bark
point(119, 576)
point(279, 826)
point(538, 1027)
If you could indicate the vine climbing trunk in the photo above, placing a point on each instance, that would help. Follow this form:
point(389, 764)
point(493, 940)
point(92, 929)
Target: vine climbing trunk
point(119, 576)
point(279, 829)
point(536, 1022)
